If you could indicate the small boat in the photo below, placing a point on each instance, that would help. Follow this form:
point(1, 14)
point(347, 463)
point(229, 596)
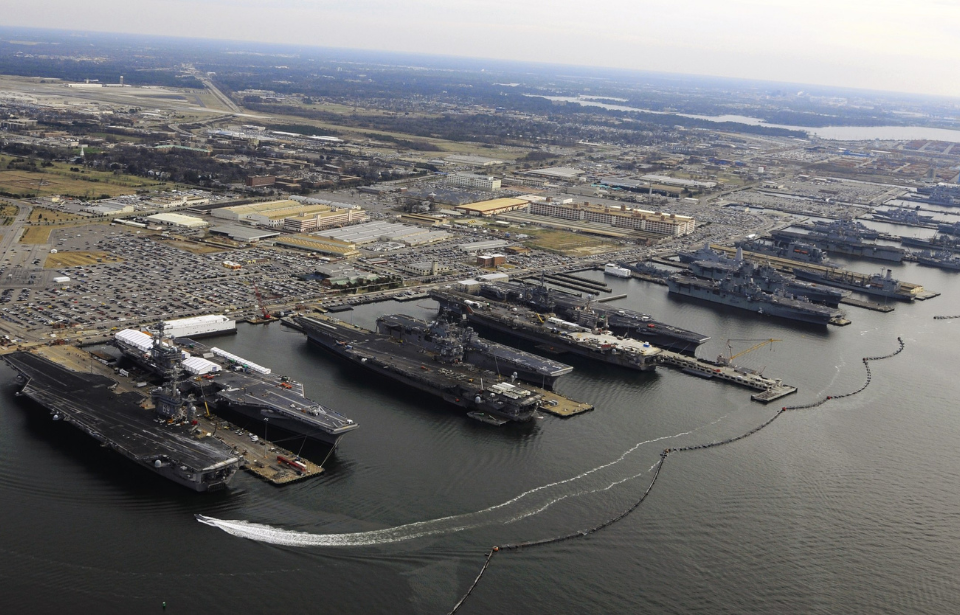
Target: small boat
point(486, 418)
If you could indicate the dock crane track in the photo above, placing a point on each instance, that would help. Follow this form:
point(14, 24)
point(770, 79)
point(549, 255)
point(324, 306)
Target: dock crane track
point(659, 466)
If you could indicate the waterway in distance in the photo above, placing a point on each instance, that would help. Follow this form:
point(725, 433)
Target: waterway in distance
point(835, 133)
point(848, 507)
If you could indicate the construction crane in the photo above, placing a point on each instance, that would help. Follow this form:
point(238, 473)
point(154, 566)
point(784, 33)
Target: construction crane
point(729, 359)
point(262, 306)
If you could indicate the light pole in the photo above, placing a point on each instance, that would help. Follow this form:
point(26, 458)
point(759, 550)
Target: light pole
point(266, 422)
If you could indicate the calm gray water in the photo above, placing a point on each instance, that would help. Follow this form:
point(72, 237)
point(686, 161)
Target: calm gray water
point(849, 507)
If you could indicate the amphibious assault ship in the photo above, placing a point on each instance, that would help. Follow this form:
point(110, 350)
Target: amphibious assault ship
point(442, 374)
point(746, 295)
point(235, 383)
point(878, 285)
point(551, 332)
point(592, 315)
point(903, 215)
point(717, 266)
point(843, 240)
point(784, 248)
point(163, 439)
point(446, 338)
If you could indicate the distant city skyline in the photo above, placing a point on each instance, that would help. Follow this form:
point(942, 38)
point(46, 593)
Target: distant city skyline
point(878, 45)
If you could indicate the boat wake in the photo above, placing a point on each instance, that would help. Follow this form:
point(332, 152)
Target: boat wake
point(526, 504)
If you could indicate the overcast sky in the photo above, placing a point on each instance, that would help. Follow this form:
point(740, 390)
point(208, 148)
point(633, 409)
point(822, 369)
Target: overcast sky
point(898, 45)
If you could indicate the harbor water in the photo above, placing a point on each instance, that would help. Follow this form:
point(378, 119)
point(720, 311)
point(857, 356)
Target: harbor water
point(848, 507)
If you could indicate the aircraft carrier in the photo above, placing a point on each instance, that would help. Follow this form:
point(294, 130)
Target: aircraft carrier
point(235, 383)
point(463, 343)
point(477, 390)
point(153, 431)
point(555, 333)
point(593, 315)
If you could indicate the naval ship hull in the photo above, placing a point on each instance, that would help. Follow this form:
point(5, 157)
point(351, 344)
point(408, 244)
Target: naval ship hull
point(840, 282)
point(87, 402)
point(412, 373)
point(762, 307)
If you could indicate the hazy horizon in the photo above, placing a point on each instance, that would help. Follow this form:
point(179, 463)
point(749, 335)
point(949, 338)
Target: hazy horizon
point(879, 46)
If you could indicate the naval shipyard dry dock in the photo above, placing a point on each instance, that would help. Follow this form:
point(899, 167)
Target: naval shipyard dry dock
point(482, 392)
point(123, 422)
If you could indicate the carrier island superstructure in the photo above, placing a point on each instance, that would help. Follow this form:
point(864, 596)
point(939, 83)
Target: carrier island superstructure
point(155, 431)
point(440, 371)
point(232, 382)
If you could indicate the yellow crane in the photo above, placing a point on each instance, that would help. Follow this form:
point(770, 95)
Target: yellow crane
point(729, 359)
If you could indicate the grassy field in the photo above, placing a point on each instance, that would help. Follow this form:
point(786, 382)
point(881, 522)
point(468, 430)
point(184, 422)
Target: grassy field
point(7, 213)
point(42, 214)
point(564, 242)
point(446, 147)
point(37, 234)
point(59, 179)
point(73, 259)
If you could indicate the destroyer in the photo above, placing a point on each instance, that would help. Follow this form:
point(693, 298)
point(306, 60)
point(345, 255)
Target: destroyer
point(163, 439)
point(463, 343)
point(441, 375)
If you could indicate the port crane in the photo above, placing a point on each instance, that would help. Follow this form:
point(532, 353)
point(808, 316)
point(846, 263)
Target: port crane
point(729, 359)
point(260, 303)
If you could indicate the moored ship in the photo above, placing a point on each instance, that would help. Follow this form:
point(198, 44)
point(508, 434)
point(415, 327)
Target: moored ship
point(877, 284)
point(748, 296)
point(443, 376)
point(616, 270)
point(717, 266)
point(552, 332)
point(163, 439)
point(463, 344)
point(237, 384)
point(591, 314)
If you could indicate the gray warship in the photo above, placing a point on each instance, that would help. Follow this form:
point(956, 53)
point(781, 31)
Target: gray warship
point(940, 259)
point(440, 337)
point(746, 295)
point(717, 266)
point(593, 315)
point(879, 284)
point(845, 237)
point(784, 248)
point(163, 439)
point(234, 383)
point(441, 374)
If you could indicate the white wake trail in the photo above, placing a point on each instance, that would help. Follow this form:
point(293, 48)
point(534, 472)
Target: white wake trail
point(419, 529)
